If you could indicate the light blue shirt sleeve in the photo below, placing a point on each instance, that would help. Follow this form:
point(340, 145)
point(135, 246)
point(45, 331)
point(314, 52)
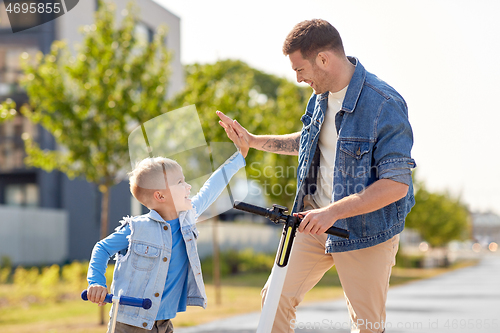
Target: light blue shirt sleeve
point(103, 251)
point(214, 186)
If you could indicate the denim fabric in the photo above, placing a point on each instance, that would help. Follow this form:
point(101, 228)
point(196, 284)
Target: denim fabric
point(142, 271)
point(374, 142)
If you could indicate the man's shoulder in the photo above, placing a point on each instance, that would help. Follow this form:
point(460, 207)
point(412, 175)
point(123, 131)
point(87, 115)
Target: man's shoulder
point(381, 87)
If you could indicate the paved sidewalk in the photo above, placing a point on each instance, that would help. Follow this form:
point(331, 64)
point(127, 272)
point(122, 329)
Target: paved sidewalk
point(466, 300)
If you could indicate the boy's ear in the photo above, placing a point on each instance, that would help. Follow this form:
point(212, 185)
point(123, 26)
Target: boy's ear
point(158, 196)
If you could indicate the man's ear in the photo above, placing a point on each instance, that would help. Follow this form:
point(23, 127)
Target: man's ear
point(322, 59)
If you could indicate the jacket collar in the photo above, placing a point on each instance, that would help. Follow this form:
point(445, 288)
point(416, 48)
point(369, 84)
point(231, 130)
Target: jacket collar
point(153, 214)
point(355, 86)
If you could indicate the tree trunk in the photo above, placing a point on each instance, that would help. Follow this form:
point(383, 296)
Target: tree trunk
point(104, 230)
point(216, 260)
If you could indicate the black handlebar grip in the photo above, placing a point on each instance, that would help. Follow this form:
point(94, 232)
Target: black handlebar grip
point(338, 232)
point(251, 208)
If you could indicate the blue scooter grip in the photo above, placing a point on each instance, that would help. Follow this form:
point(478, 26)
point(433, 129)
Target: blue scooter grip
point(144, 303)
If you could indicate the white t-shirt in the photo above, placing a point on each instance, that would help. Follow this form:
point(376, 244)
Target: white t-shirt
point(328, 146)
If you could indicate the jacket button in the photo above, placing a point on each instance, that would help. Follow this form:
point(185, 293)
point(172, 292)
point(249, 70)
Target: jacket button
point(157, 294)
point(165, 259)
point(144, 324)
point(165, 227)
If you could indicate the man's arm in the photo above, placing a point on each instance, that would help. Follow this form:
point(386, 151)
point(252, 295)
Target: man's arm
point(287, 144)
point(378, 195)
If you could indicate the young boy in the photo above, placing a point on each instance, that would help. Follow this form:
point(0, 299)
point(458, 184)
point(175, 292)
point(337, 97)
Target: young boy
point(161, 262)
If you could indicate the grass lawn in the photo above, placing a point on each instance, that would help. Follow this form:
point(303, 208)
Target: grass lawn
point(240, 294)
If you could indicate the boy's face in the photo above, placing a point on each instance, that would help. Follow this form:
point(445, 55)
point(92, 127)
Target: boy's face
point(179, 190)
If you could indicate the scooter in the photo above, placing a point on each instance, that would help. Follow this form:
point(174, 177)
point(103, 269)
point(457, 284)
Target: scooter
point(278, 274)
point(144, 303)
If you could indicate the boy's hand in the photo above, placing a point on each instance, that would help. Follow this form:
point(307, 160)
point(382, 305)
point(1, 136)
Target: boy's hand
point(97, 294)
point(237, 136)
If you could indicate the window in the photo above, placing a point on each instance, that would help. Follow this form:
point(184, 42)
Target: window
point(12, 152)
point(10, 67)
point(22, 195)
point(144, 34)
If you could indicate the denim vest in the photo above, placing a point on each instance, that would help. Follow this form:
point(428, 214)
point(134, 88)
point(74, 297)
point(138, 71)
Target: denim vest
point(142, 271)
point(374, 142)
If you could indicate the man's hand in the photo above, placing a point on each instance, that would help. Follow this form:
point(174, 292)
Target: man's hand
point(240, 131)
point(97, 294)
point(376, 196)
point(287, 144)
point(237, 137)
point(316, 221)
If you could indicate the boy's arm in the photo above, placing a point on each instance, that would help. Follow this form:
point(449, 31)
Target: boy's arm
point(214, 186)
point(101, 253)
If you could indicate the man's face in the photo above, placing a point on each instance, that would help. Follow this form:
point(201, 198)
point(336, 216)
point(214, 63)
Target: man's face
point(309, 73)
point(179, 190)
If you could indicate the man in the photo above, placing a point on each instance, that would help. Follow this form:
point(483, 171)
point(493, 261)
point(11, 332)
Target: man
point(354, 171)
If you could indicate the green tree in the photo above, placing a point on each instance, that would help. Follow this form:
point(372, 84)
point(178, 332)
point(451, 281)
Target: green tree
point(438, 217)
point(263, 103)
point(7, 110)
point(91, 100)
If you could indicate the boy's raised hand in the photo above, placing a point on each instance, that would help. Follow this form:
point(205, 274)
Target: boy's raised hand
point(236, 135)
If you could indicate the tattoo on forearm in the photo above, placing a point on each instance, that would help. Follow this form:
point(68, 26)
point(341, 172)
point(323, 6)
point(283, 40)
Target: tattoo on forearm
point(289, 145)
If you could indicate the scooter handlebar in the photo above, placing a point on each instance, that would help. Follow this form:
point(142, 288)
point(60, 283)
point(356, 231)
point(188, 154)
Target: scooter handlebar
point(269, 213)
point(249, 208)
point(144, 303)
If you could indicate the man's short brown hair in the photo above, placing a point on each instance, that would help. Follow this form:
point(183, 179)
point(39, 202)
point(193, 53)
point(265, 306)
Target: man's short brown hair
point(312, 37)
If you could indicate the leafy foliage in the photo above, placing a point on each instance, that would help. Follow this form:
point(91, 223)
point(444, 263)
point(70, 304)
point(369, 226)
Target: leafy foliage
point(47, 284)
point(262, 103)
point(438, 217)
point(239, 262)
point(7, 110)
point(91, 101)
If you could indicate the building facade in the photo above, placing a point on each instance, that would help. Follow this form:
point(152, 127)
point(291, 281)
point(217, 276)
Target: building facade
point(30, 190)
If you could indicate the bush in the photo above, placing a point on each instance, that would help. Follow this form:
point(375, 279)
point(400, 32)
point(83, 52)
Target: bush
point(24, 277)
point(48, 288)
point(409, 261)
point(5, 274)
point(234, 262)
point(75, 275)
point(5, 269)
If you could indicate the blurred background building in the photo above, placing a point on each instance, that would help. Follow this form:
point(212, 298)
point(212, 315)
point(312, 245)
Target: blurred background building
point(46, 217)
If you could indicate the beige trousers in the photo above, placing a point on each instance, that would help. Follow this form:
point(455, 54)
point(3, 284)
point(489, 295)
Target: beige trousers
point(160, 326)
point(364, 275)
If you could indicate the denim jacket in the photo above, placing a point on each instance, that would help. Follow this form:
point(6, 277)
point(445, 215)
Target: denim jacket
point(142, 271)
point(374, 142)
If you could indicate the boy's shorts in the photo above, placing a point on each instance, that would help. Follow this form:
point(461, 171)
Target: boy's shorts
point(160, 326)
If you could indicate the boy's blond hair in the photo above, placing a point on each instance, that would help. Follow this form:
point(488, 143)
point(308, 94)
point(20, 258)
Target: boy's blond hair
point(148, 176)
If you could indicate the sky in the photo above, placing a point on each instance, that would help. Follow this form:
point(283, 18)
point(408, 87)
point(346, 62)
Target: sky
point(441, 55)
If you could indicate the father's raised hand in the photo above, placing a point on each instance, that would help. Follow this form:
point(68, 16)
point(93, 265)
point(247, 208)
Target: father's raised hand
point(240, 130)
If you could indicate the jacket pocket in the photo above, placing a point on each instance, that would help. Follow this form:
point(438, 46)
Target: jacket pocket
point(355, 158)
point(144, 256)
point(306, 120)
